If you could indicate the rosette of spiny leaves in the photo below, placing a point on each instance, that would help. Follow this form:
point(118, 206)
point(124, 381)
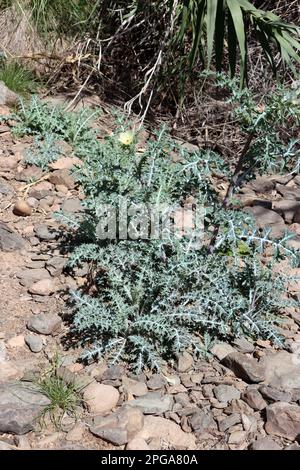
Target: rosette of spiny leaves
point(152, 298)
point(155, 298)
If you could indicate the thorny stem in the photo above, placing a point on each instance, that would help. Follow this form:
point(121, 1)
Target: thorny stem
point(233, 183)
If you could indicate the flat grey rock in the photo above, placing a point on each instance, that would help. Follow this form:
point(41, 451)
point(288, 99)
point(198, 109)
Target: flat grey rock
point(44, 323)
point(72, 206)
point(265, 443)
point(5, 189)
point(10, 240)
point(225, 393)
point(20, 406)
point(154, 403)
point(43, 232)
point(202, 421)
point(34, 343)
point(282, 371)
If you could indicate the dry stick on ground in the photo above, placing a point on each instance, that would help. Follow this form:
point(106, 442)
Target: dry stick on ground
point(233, 183)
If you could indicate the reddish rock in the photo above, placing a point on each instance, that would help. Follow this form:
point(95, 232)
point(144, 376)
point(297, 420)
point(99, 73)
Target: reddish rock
point(137, 444)
point(283, 419)
point(245, 367)
point(66, 163)
point(100, 398)
point(22, 208)
point(160, 430)
point(62, 177)
point(44, 287)
point(8, 163)
point(254, 399)
point(119, 427)
point(282, 370)
point(29, 173)
point(7, 97)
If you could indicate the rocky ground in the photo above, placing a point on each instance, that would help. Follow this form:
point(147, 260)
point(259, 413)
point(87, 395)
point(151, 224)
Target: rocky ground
point(246, 397)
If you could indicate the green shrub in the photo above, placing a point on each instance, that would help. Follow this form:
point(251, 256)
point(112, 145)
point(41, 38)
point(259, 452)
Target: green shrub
point(68, 17)
point(157, 297)
point(153, 297)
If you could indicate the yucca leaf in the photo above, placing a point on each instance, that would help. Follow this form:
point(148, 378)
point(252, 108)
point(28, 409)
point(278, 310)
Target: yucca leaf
point(247, 6)
point(219, 38)
point(198, 32)
point(232, 45)
point(212, 6)
point(283, 53)
point(287, 50)
point(271, 16)
point(239, 26)
point(263, 39)
point(291, 40)
point(218, 15)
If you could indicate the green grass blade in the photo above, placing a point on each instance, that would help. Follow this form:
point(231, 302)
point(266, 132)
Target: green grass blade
point(293, 42)
point(247, 6)
point(184, 20)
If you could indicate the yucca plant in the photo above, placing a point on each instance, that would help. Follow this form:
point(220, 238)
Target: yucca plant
point(217, 25)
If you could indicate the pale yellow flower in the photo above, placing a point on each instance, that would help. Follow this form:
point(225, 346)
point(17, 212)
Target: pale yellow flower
point(126, 138)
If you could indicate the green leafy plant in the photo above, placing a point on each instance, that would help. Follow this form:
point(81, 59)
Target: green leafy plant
point(158, 297)
point(271, 127)
point(148, 298)
point(48, 126)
